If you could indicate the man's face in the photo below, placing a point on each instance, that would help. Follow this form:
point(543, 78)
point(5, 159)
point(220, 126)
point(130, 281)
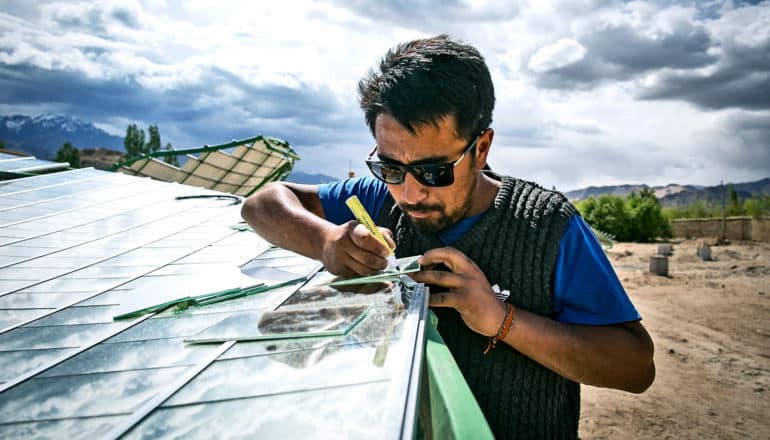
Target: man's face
point(431, 209)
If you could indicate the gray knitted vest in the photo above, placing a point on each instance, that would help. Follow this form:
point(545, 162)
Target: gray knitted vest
point(515, 243)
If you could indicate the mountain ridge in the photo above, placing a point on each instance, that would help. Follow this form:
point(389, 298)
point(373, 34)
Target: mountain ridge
point(42, 135)
point(676, 194)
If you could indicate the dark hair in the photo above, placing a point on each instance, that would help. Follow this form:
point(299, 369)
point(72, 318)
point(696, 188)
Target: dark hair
point(422, 81)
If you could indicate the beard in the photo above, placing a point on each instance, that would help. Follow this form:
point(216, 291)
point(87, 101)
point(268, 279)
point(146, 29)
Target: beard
point(446, 219)
point(435, 225)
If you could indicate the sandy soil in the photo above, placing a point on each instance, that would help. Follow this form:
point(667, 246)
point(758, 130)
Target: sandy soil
point(710, 321)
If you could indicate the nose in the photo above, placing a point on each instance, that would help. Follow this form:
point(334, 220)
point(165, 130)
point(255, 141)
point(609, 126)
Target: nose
point(413, 191)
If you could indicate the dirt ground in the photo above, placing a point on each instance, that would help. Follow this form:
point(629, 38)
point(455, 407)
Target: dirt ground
point(710, 321)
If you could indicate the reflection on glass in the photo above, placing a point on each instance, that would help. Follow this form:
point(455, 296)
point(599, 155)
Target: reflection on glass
point(168, 327)
point(130, 356)
point(55, 337)
point(86, 395)
point(315, 295)
point(346, 412)
point(96, 427)
point(16, 363)
point(327, 321)
point(77, 315)
point(320, 368)
point(371, 330)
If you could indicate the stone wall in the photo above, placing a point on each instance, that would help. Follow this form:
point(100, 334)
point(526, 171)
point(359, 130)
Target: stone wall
point(736, 228)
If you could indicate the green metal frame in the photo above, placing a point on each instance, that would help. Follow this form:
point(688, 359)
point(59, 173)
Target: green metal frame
point(272, 143)
point(447, 407)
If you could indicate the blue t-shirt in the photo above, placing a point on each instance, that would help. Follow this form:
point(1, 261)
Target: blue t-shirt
point(586, 289)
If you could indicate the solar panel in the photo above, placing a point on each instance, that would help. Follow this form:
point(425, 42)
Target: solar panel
point(76, 246)
point(13, 164)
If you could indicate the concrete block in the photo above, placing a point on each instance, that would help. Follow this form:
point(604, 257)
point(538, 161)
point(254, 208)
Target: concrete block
point(659, 265)
point(704, 252)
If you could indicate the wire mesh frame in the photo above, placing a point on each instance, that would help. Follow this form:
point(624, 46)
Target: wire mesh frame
point(274, 145)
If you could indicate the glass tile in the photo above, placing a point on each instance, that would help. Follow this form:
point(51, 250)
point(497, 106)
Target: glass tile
point(16, 363)
point(7, 286)
point(84, 395)
point(5, 261)
point(283, 324)
point(139, 260)
point(53, 261)
point(111, 297)
point(348, 412)
point(171, 327)
point(319, 296)
point(322, 367)
point(27, 273)
point(62, 284)
point(12, 317)
point(191, 269)
point(109, 271)
point(86, 428)
point(375, 329)
point(41, 300)
point(132, 356)
point(259, 301)
point(55, 337)
point(78, 315)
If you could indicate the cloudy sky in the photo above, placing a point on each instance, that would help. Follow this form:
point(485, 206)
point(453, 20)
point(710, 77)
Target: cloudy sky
point(589, 92)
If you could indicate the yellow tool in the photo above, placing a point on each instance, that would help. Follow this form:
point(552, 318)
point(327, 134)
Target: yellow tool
point(363, 217)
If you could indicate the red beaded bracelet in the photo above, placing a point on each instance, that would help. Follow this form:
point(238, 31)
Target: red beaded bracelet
point(504, 328)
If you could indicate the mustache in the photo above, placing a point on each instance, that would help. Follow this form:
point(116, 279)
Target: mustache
point(419, 207)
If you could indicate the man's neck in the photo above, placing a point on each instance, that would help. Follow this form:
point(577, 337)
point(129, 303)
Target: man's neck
point(484, 195)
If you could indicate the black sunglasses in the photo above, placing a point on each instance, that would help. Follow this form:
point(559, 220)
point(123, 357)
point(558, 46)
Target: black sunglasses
point(428, 174)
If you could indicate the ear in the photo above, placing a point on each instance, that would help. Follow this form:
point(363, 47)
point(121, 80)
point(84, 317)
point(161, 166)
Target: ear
point(482, 147)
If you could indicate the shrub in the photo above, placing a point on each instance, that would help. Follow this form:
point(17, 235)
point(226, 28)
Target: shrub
point(68, 153)
point(637, 217)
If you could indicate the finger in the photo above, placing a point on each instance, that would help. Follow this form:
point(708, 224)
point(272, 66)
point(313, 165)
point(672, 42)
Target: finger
point(359, 268)
point(364, 239)
point(388, 237)
point(455, 260)
point(449, 280)
point(446, 299)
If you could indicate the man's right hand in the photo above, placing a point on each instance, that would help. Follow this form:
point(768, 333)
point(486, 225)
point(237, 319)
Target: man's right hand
point(349, 249)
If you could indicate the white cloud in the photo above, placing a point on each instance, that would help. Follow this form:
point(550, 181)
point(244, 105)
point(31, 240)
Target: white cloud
point(557, 55)
point(568, 75)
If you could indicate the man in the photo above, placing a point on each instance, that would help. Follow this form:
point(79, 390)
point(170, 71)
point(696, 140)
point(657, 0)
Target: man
point(557, 314)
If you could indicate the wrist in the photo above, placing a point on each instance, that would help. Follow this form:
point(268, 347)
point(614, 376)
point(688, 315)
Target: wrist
point(505, 327)
point(496, 319)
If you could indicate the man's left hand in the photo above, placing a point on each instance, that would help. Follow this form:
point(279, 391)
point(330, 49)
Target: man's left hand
point(468, 290)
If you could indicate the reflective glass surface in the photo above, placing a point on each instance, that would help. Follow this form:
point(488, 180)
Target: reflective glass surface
point(92, 427)
point(83, 395)
point(333, 413)
point(77, 246)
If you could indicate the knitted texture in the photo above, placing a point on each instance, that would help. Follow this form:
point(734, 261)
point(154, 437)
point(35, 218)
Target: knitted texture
point(515, 243)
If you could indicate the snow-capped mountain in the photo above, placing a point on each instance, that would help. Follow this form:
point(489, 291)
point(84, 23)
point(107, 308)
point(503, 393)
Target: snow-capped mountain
point(43, 135)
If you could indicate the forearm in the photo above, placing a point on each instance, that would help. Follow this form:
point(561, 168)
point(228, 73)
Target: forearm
point(618, 356)
point(278, 216)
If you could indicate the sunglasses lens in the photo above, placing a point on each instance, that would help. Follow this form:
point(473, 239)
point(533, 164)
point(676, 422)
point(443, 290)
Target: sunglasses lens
point(387, 173)
point(428, 175)
point(434, 175)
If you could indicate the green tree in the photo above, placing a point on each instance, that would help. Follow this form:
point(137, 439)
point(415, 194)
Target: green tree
point(153, 143)
point(638, 217)
point(2, 143)
point(134, 141)
point(646, 220)
point(68, 153)
point(757, 206)
point(606, 213)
